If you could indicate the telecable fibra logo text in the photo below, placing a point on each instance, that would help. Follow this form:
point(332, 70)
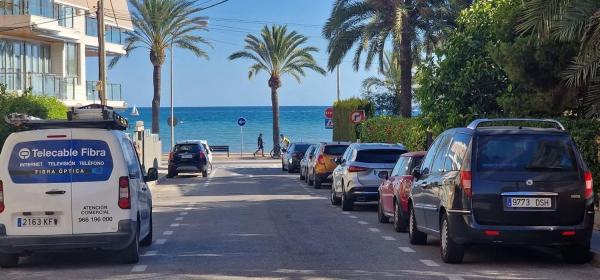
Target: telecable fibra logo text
point(26, 153)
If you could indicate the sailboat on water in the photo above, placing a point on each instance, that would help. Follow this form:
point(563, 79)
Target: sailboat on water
point(134, 111)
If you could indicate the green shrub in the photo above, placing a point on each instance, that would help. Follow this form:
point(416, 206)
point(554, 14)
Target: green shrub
point(586, 134)
point(409, 132)
point(343, 128)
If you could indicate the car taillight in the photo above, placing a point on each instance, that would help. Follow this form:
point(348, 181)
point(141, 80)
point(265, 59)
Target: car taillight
point(589, 185)
point(1, 197)
point(202, 155)
point(124, 199)
point(171, 156)
point(465, 183)
point(321, 159)
point(353, 168)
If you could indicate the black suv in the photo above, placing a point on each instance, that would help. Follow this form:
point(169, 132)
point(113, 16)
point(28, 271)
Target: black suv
point(188, 157)
point(291, 157)
point(503, 185)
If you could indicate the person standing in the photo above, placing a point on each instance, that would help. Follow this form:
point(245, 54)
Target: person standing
point(285, 142)
point(261, 145)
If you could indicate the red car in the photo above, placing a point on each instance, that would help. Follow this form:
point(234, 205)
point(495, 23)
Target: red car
point(394, 191)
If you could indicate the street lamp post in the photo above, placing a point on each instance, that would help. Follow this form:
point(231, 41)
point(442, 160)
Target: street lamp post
point(172, 123)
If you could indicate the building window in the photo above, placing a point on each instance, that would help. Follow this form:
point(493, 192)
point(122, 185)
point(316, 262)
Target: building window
point(64, 15)
point(20, 61)
point(113, 34)
point(71, 59)
point(91, 26)
point(40, 7)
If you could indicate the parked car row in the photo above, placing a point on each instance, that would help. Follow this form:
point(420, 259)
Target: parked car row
point(504, 184)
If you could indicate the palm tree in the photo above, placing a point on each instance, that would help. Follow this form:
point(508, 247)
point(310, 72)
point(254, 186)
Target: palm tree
point(381, 90)
point(159, 23)
point(570, 21)
point(412, 26)
point(278, 52)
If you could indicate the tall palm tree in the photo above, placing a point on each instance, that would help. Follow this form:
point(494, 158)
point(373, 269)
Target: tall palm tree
point(411, 26)
point(278, 52)
point(570, 21)
point(158, 24)
point(381, 89)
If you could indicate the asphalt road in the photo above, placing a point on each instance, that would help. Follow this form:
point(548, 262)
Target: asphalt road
point(250, 221)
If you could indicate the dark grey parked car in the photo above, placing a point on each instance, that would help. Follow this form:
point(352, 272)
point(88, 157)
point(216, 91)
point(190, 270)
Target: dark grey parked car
point(503, 185)
point(290, 160)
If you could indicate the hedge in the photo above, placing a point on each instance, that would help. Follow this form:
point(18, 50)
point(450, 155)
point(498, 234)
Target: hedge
point(343, 128)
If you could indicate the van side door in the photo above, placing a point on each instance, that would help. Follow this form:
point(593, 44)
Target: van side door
point(137, 184)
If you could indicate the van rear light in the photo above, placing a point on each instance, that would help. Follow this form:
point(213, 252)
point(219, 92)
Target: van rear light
point(492, 233)
point(171, 156)
point(321, 159)
point(124, 194)
point(353, 168)
point(589, 185)
point(1, 197)
point(465, 183)
point(568, 233)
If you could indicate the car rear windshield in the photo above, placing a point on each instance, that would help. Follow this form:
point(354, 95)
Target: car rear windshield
point(379, 155)
point(301, 147)
point(335, 150)
point(187, 148)
point(525, 153)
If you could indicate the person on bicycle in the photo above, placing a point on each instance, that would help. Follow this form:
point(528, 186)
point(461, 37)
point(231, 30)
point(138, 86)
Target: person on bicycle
point(261, 145)
point(285, 142)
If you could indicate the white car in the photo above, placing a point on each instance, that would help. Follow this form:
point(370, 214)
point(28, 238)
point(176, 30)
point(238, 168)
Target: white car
point(73, 184)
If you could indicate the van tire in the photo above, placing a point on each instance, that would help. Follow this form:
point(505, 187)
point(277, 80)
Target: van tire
point(415, 236)
point(450, 251)
point(400, 221)
point(577, 253)
point(9, 260)
point(131, 253)
point(147, 241)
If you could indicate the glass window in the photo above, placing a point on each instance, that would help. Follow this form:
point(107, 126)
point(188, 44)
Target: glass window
point(458, 149)
point(525, 153)
point(301, 147)
point(425, 167)
point(400, 165)
point(440, 157)
point(71, 59)
point(91, 26)
point(379, 155)
point(335, 150)
point(187, 148)
point(64, 15)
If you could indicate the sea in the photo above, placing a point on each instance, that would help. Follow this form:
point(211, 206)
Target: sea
point(219, 125)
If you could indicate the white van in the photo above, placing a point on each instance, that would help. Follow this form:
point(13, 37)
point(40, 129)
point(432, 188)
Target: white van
point(73, 184)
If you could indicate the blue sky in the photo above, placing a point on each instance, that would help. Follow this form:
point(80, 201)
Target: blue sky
point(220, 82)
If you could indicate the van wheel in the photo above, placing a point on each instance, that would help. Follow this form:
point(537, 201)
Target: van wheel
point(9, 260)
point(131, 254)
point(415, 236)
point(576, 254)
point(147, 241)
point(400, 221)
point(347, 203)
point(380, 215)
point(451, 251)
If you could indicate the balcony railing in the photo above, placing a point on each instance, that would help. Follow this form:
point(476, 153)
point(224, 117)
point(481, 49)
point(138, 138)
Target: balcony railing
point(60, 87)
point(113, 91)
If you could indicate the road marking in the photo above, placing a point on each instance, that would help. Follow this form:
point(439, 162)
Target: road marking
point(406, 249)
point(389, 238)
point(174, 225)
point(183, 213)
point(160, 241)
point(150, 254)
point(374, 229)
point(429, 263)
point(168, 232)
point(353, 217)
point(179, 219)
point(362, 222)
point(455, 277)
point(188, 208)
point(345, 213)
point(139, 268)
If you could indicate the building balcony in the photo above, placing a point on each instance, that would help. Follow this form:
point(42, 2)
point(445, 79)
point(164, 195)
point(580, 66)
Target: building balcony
point(62, 88)
point(113, 92)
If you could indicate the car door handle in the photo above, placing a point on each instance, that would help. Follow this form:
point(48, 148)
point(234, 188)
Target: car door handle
point(56, 192)
point(423, 185)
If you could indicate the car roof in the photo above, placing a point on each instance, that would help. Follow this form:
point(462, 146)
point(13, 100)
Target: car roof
point(496, 130)
point(336, 143)
point(415, 154)
point(369, 146)
point(187, 142)
point(302, 143)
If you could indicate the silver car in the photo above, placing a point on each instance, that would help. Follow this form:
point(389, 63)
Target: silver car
point(361, 170)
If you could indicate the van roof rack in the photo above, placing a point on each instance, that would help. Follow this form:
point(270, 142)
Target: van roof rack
point(90, 116)
point(476, 123)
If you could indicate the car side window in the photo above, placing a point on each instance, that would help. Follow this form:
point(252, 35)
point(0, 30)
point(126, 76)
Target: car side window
point(440, 157)
point(131, 159)
point(400, 166)
point(457, 151)
point(346, 153)
point(426, 166)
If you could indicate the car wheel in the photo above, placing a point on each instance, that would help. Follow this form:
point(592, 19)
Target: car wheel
point(381, 215)
point(131, 253)
point(282, 166)
point(147, 241)
point(301, 173)
point(171, 174)
point(306, 177)
point(317, 182)
point(311, 179)
point(334, 199)
point(347, 203)
point(415, 236)
point(9, 260)
point(450, 251)
point(576, 254)
point(400, 221)
point(289, 170)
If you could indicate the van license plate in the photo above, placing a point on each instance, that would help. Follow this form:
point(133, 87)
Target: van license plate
point(529, 202)
point(37, 222)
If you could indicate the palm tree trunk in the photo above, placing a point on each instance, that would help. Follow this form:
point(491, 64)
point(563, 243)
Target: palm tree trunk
point(404, 107)
point(275, 107)
point(156, 99)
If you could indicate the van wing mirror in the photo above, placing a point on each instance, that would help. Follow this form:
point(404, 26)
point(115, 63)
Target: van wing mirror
point(416, 172)
point(152, 175)
point(383, 175)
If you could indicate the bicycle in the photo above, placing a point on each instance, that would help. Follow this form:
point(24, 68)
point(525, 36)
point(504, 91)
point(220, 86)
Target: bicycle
point(272, 153)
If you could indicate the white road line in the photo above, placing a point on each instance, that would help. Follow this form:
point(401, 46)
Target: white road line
point(174, 225)
point(179, 219)
point(353, 217)
point(455, 277)
point(139, 268)
point(429, 263)
point(188, 208)
point(372, 229)
point(183, 213)
point(150, 254)
point(406, 249)
point(168, 232)
point(345, 213)
point(388, 238)
point(160, 241)
point(362, 222)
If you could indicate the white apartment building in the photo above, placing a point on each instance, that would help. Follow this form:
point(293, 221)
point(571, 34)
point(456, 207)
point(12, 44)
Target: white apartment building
point(44, 45)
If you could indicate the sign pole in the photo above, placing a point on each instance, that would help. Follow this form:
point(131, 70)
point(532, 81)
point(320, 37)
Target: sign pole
point(242, 146)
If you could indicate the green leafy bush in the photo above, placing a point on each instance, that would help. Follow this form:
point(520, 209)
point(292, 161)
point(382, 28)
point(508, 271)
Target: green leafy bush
point(586, 134)
point(408, 132)
point(343, 128)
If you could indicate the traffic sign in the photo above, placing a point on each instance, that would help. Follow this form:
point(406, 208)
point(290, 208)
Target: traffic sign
point(358, 116)
point(328, 124)
point(241, 121)
point(175, 122)
point(329, 113)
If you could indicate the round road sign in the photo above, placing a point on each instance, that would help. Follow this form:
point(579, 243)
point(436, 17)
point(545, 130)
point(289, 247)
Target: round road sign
point(329, 113)
point(241, 121)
